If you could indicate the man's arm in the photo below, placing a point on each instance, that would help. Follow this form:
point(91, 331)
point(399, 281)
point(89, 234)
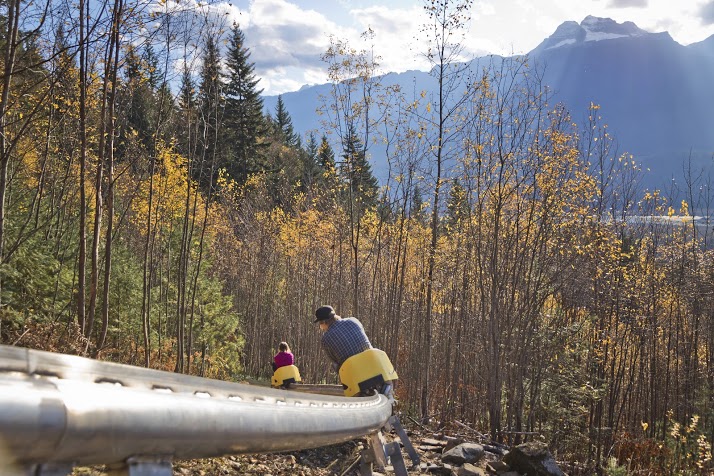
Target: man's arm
point(331, 355)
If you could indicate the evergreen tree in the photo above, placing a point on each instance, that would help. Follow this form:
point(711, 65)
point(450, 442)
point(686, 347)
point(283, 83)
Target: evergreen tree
point(210, 105)
point(283, 124)
point(187, 94)
point(139, 103)
point(417, 210)
point(244, 111)
point(328, 178)
point(325, 155)
point(152, 68)
point(63, 114)
point(210, 88)
point(187, 111)
point(165, 110)
point(312, 147)
point(456, 204)
point(63, 75)
point(357, 172)
point(311, 167)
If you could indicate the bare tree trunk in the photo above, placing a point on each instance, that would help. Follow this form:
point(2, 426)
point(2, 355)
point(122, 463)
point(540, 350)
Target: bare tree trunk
point(81, 266)
point(13, 18)
point(447, 19)
point(118, 14)
point(98, 198)
point(146, 287)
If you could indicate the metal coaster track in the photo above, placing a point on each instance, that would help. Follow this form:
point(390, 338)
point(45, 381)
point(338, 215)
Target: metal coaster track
point(59, 411)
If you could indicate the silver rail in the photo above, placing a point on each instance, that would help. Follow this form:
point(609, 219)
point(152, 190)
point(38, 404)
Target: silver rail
point(58, 411)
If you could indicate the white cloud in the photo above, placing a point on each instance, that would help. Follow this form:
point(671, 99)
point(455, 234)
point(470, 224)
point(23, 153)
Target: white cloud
point(396, 32)
point(285, 43)
point(287, 38)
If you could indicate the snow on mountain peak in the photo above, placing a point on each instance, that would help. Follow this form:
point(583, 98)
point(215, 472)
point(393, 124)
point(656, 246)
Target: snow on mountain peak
point(590, 29)
point(597, 29)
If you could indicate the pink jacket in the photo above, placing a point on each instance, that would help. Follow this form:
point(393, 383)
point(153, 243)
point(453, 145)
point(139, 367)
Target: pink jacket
point(282, 359)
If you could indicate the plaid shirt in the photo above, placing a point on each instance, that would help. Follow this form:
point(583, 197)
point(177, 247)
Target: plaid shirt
point(343, 339)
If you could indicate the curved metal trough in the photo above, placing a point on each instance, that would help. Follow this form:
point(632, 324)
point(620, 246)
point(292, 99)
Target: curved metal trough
point(58, 411)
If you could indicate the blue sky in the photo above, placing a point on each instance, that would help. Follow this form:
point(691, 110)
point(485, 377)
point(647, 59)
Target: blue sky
point(286, 38)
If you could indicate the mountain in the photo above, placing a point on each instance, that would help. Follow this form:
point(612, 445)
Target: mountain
point(591, 29)
point(655, 95)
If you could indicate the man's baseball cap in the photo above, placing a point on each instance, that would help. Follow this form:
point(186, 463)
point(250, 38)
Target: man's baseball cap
point(324, 313)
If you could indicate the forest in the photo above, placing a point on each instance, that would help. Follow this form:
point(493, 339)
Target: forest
point(153, 213)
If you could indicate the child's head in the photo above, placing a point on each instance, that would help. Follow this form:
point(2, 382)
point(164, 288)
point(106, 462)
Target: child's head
point(283, 347)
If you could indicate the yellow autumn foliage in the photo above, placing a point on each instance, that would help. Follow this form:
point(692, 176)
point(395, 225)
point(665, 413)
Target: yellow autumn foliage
point(169, 191)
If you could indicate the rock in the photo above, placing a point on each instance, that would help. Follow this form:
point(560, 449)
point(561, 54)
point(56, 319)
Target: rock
point(452, 442)
point(433, 448)
point(433, 442)
point(439, 470)
point(494, 449)
point(534, 459)
point(464, 453)
point(470, 470)
point(497, 467)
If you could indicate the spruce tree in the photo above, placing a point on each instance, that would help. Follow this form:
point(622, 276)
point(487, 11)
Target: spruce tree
point(328, 179)
point(283, 124)
point(325, 155)
point(65, 93)
point(417, 210)
point(139, 102)
point(456, 205)
point(244, 118)
point(187, 93)
point(210, 101)
point(152, 67)
point(187, 114)
point(357, 172)
point(311, 167)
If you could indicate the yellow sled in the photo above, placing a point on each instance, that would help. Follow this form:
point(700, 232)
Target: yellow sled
point(286, 375)
point(366, 371)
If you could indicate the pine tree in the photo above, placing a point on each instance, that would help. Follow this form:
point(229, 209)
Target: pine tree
point(311, 167)
point(456, 205)
point(244, 118)
point(283, 124)
point(152, 67)
point(417, 210)
point(328, 179)
point(210, 89)
point(187, 94)
point(187, 112)
point(63, 75)
point(139, 103)
point(357, 172)
point(210, 104)
point(325, 155)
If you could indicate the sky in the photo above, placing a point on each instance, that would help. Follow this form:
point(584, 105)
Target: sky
point(286, 38)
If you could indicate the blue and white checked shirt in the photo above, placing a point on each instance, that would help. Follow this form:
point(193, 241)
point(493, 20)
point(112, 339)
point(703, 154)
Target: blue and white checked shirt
point(344, 338)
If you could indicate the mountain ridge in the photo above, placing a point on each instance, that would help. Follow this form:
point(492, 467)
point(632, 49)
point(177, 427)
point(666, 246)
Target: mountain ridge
point(655, 94)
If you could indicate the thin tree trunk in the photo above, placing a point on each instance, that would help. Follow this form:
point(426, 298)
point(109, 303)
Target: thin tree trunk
point(98, 199)
point(118, 14)
point(81, 266)
point(13, 15)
